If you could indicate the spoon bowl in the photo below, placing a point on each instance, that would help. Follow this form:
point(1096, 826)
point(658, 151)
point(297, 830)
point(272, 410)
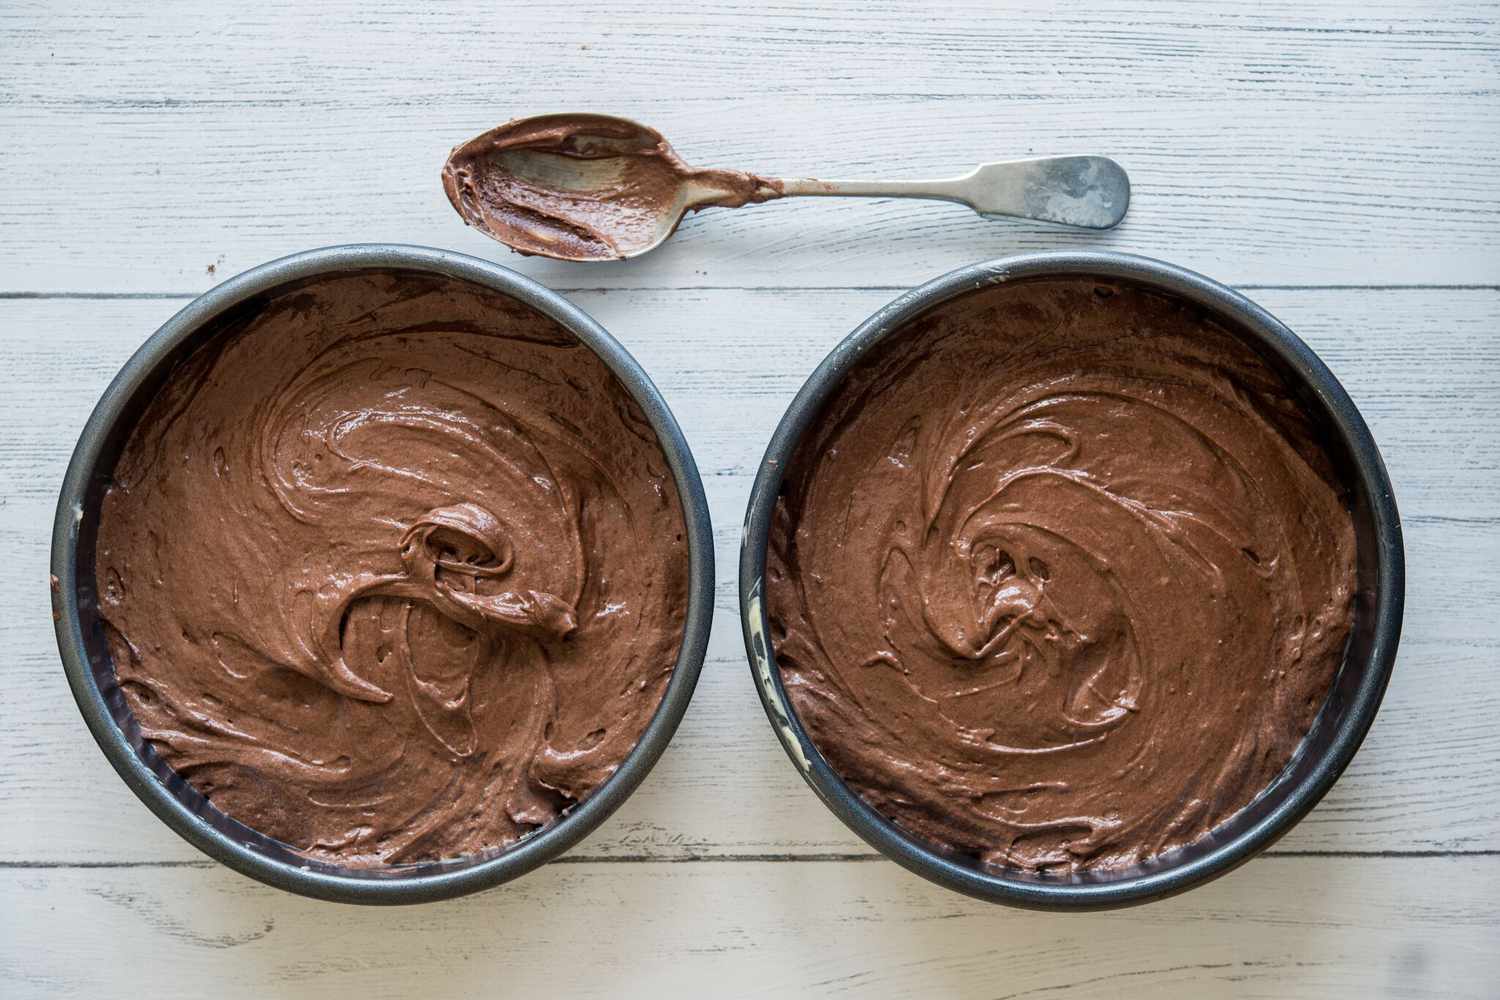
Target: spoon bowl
point(586, 187)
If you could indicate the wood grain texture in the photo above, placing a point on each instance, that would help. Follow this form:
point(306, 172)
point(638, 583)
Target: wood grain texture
point(1279, 927)
point(1340, 160)
point(1424, 365)
point(1283, 142)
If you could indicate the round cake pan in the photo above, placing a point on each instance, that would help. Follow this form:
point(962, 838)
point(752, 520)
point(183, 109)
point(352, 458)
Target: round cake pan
point(91, 673)
point(1336, 732)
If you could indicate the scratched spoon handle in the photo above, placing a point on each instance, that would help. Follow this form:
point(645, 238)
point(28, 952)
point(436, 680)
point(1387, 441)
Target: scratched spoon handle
point(1091, 192)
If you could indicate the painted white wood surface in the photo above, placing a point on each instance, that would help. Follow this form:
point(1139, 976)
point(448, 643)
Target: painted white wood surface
point(1285, 927)
point(1339, 160)
point(1280, 141)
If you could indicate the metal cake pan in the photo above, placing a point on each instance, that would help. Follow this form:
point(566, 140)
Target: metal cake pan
point(91, 673)
point(1339, 727)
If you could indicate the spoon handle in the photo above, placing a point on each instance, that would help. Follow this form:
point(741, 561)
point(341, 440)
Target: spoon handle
point(1091, 192)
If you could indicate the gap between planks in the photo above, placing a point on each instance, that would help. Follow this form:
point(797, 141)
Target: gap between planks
point(697, 859)
point(606, 289)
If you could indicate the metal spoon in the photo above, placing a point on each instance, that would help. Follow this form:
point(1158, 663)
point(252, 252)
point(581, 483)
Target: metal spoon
point(594, 187)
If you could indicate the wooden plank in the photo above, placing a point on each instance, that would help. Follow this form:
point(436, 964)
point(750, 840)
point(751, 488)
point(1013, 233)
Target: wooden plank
point(1341, 142)
point(1424, 365)
point(1278, 927)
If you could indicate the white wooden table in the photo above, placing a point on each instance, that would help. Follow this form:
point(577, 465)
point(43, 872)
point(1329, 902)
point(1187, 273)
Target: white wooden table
point(1339, 161)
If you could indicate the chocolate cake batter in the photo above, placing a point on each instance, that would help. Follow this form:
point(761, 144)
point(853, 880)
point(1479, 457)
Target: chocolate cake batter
point(394, 569)
point(525, 184)
point(1061, 576)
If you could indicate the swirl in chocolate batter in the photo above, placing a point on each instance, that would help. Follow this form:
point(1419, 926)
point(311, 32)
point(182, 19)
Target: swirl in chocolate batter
point(1061, 577)
point(393, 571)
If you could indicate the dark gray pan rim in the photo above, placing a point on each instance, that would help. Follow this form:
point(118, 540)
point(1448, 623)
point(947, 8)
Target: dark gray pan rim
point(1292, 800)
point(424, 883)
